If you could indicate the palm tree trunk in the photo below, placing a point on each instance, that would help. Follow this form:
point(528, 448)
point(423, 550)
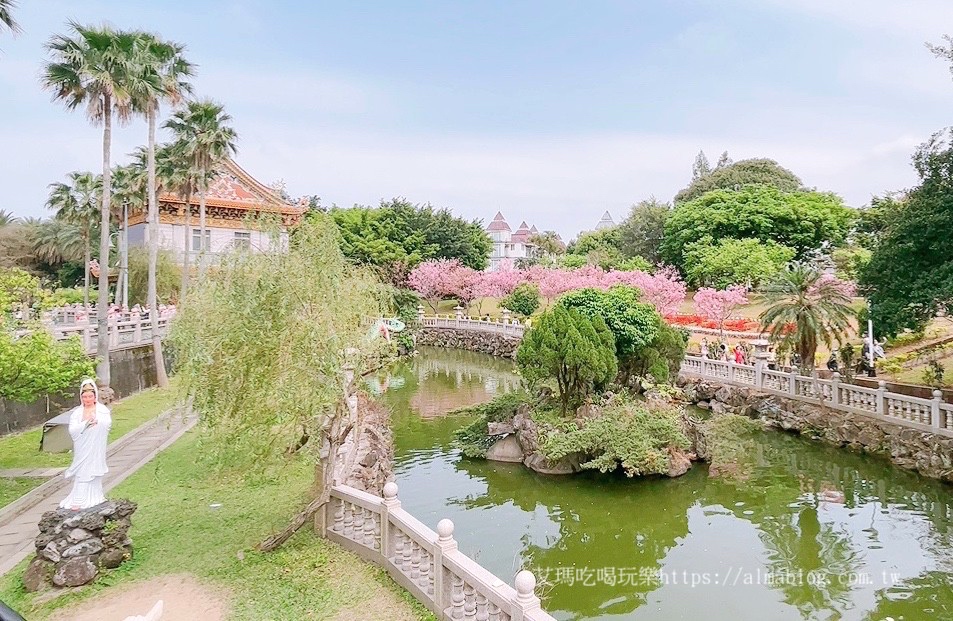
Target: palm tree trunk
point(102, 311)
point(162, 379)
point(188, 240)
point(124, 260)
point(202, 245)
point(86, 272)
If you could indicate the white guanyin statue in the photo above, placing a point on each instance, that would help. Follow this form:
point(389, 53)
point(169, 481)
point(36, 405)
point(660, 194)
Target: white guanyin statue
point(89, 425)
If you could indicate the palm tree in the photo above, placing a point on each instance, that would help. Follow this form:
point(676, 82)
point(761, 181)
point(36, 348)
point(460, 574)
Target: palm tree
point(77, 203)
point(806, 307)
point(169, 70)
point(7, 218)
point(203, 129)
point(58, 241)
point(6, 15)
point(97, 67)
point(127, 194)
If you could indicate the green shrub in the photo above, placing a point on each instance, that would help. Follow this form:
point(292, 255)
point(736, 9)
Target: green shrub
point(626, 435)
point(473, 440)
point(575, 351)
point(524, 299)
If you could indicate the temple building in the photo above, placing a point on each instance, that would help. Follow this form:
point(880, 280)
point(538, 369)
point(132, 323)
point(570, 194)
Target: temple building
point(509, 245)
point(233, 196)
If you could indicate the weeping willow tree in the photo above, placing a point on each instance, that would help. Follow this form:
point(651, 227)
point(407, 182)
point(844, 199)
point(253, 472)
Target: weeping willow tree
point(262, 349)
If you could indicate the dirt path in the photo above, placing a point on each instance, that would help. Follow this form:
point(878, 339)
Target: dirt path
point(183, 597)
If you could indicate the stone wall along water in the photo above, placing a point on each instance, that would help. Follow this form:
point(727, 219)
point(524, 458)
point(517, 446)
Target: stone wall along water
point(472, 340)
point(131, 370)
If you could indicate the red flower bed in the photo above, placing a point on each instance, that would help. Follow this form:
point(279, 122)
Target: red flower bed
point(731, 325)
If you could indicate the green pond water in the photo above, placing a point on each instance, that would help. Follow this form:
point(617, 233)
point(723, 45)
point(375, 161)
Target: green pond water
point(807, 532)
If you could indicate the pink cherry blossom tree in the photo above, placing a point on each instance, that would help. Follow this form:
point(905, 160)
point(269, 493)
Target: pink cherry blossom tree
point(717, 305)
point(664, 289)
point(434, 280)
point(497, 284)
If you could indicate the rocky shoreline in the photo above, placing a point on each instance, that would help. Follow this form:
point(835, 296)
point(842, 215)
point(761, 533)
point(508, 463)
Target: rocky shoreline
point(929, 454)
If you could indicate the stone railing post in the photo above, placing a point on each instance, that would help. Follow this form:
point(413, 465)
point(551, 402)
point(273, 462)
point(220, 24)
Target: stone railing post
point(458, 310)
point(88, 338)
point(935, 411)
point(792, 383)
point(113, 328)
point(420, 314)
point(137, 335)
point(391, 503)
point(835, 389)
point(881, 398)
point(760, 363)
point(506, 321)
point(526, 600)
point(445, 544)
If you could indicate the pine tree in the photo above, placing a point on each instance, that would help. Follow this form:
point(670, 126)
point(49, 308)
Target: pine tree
point(724, 161)
point(577, 352)
point(701, 168)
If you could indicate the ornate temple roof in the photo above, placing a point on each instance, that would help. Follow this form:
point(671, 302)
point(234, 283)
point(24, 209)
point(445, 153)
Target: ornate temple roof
point(234, 187)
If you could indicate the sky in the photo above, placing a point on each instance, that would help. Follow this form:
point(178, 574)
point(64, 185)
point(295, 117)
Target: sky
point(549, 111)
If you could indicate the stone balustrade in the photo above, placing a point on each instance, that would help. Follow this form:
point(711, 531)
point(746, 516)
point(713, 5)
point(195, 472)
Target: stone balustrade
point(426, 563)
point(929, 415)
point(505, 326)
point(122, 334)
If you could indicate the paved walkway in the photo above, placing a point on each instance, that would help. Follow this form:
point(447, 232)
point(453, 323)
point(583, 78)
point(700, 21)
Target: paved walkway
point(28, 473)
point(18, 520)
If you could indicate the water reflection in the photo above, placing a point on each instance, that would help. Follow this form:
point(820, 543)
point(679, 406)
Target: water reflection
point(806, 531)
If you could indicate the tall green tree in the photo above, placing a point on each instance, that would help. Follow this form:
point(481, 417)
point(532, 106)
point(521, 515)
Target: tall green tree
point(204, 131)
point(78, 204)
point(168, 74)
point(57, 241)
point(909, 278)
point(97, 67)
point(734, 175)
point(398, 235)
point(548, 243)
point(806, 308)
point(749, 262)
point(6, 15)
point(634, 324)
point(640, 234)
point(803, 221)
point(602, 247)
point(700, 167)
point(575, 351)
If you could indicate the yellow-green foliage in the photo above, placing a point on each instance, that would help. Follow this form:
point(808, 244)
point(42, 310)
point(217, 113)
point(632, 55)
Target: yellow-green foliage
point(626, 434)
point(261, 343)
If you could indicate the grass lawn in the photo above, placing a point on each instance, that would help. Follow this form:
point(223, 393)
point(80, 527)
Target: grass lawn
point(22, 450)
point(11, 489)
point(176, 531)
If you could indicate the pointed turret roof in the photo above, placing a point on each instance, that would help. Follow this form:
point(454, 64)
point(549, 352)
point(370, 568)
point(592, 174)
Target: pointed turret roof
point(498, 224)
point(533, 229)
point(605, 222)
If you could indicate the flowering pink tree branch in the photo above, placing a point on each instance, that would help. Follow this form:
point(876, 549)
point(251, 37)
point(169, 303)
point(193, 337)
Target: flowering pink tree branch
point(718, 305)
point(434, 280)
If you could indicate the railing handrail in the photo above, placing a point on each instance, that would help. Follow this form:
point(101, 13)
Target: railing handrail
point(931, 415)
point(504, 325)
point(427, 563)
point(122, 334)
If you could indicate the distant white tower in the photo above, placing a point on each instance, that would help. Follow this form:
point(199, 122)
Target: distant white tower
point(606, 222)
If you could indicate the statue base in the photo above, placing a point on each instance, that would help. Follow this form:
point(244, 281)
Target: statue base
point(73, 546)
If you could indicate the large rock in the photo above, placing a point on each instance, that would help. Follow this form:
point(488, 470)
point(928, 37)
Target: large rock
point(93, 545)
point(114, 557)
point(74, 572)
point(506, 449)
point(72, 545)
point(567, 465)
point(37, 575)
point(678, 462)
